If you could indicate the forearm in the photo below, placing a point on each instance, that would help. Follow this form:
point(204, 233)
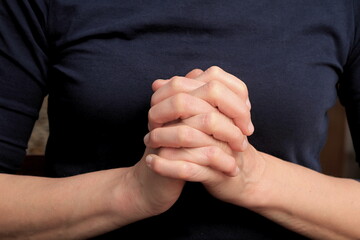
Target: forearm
point(308, 202)
point(65, 208)
point(313, 204)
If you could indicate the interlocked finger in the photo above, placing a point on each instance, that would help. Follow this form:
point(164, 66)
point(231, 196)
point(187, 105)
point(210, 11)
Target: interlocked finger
point(210, 156)
point(179, 136)
point(232, 82)
point(179, 106)
point(183, 170)
point(220, 127)
point(173, 86)
point(232, 105)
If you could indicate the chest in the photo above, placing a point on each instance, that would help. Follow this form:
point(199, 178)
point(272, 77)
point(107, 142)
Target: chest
point(107, 54)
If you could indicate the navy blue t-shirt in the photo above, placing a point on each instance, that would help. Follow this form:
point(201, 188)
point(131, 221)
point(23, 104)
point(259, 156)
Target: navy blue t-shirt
point(96, 61)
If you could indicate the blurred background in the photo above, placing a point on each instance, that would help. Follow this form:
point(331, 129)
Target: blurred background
point(337, 158)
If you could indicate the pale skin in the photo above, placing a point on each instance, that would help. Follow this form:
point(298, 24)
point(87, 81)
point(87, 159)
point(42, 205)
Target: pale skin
point(230, 168)
point(308, 202)
point(87, 205)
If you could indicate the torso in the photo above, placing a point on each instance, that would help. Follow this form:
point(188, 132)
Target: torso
point(107, 53)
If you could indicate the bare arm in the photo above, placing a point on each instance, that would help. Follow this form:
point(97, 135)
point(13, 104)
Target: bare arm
point(82, 206)
point(305, 201)
point(311, 203)
point(66, 208)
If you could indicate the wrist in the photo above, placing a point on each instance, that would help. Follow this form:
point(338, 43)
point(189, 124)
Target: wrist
point(261, 175)
point(274, 188)
point(127, 203)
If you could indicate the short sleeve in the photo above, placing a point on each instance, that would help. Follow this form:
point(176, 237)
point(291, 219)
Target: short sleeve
point(349, 84)
point(23, 73)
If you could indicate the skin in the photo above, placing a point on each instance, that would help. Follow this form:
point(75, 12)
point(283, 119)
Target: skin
point(87, 205)
point(184, 144)
point(305, 201)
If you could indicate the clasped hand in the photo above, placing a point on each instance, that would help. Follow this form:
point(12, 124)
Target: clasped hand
point(198, 128)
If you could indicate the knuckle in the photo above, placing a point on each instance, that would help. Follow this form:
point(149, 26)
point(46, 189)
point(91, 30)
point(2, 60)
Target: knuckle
point(209, 121)
point(225, 147)
point(195, 72)
point(178, 102)
point(247, 114)
point(216, 156)
point(154, 137)
point(212, 152)
point(244, 113)
point(185, 170)
point(167, 153)
point(184, 135)
point(154, 84)
point(153, 100)
point(176, 82)
point(214, 89)
point(238, 135)
point(214, 70)
point(151, 116)
point(156, 165)
point(243, 88)
point(231, 166)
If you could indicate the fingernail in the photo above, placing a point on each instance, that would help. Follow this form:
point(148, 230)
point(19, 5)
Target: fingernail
point(146, 139)
point(148, 160)
point(251, 127)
